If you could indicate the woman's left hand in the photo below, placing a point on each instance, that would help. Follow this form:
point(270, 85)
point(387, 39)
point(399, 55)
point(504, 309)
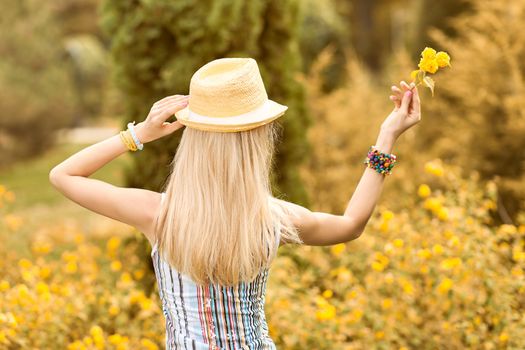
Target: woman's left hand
point(155, 126)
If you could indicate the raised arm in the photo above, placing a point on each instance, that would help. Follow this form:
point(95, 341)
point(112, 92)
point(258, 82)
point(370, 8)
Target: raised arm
point(320, 229)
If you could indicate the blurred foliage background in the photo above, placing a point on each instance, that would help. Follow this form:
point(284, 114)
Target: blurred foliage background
point(441, 264)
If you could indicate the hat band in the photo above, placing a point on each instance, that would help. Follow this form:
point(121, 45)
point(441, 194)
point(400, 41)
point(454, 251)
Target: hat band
point(265, 109)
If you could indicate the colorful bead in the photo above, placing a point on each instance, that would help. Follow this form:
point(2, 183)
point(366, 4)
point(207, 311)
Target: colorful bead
point(380, 162)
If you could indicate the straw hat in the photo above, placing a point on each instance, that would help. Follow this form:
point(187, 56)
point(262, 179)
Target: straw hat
point(228, 95)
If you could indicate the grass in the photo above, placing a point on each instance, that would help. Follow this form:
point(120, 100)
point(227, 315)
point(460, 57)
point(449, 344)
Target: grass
point(40, 205)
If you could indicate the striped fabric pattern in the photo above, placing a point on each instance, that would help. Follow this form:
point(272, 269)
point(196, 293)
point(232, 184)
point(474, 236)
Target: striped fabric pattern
point(212, 316)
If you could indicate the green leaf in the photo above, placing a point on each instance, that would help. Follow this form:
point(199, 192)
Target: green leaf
point(429, 82)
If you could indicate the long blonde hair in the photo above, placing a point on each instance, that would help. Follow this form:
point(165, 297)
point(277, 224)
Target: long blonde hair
point(219, 219)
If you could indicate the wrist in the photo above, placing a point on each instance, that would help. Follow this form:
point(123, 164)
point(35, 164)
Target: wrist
point(385, 141)
point(141, 133)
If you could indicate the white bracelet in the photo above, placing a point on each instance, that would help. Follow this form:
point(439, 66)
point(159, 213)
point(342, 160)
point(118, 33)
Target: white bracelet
point(140, 146)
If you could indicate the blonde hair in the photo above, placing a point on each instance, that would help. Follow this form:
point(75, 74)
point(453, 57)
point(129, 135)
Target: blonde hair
point(219, 220)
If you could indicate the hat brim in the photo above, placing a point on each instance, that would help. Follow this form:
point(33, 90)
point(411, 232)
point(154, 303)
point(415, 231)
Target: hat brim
point(266, 113)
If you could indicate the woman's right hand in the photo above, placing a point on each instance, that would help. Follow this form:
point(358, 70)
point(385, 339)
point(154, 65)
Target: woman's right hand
point(407, 110)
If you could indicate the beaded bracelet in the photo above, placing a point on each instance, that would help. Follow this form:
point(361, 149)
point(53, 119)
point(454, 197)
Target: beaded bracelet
point(379, 161)
point(140, 146)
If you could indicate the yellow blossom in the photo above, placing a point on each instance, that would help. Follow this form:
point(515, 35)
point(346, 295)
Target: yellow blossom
point(387, 303)
point(432, 204)
point(424, 191)
point(148, 344)
point(379, 334)
point(428, 65)
point(116, 265)
point(71, 267)
point(25, 264)
point(126, 277)
point(445, 285)
point(44, 272)
point(41, 247)
point(428, 53)
point(387, 215)
point(398, 243)
point(450, 263)
point(337, 249)
point(443, 214)
point(114, 310)
point(443, 59)
point(328, 293)
point(424, 253)
point(117, 339)
point(437, 249)
point(4, 285)
point(503, 337)
point(138, 274)
point(42, 288)
point(434, 168)
point(325, 312)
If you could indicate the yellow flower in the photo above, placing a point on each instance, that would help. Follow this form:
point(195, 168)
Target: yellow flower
point(450, 263)
point(25, 264)
point(4, 285)
point(428, 53)
point(376, 265)
point(44, 272)
point(443, 59)
point(146, 303)
point(96, 332)
point(41, 247)
point(398, 242)
point(442, 214)
point(112, 246)
point(76, 345)
point(503, 337)
point(138, 274)
point(434, 168)
point(326, 312)
point(114, 310)
point(148, 344)
point(432, 204)
point(328, 294)
point(387, 215)
point(428, 65)
point(424, 253)
point(337, 249)
point(379, 334)
point(126, 278)
point(437, 249)
point(42, 288)
point(387, 303)
point(445, 285)
point(116, 265)
point(71, 267)
point(424, 191)
point(117, 339)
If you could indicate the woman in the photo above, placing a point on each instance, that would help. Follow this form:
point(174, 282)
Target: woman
point(216, 227)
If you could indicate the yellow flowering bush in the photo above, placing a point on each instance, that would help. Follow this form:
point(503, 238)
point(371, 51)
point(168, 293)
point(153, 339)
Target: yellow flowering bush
point(430, 62)
point(67, 296)
point(436, 273)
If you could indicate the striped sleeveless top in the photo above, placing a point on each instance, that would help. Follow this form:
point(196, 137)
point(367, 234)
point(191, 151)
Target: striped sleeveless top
point(212, 316)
